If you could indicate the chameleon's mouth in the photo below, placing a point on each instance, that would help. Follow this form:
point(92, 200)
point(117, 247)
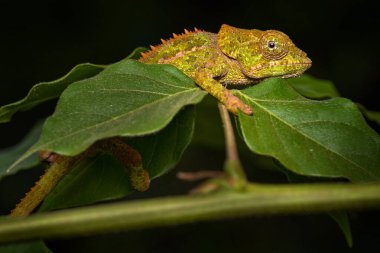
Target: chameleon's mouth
point(276, 69)
point(299, 72)
point(306, 65)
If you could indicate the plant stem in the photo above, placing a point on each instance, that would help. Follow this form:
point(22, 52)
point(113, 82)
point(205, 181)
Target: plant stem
point(256, 200)
point(232, 164)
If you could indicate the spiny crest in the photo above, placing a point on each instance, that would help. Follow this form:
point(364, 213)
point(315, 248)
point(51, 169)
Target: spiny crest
point(146, 55)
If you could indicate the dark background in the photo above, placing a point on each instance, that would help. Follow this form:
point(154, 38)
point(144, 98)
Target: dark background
point(42, 40)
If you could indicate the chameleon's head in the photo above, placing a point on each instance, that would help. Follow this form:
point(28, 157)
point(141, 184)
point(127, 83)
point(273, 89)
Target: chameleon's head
point(263, 54)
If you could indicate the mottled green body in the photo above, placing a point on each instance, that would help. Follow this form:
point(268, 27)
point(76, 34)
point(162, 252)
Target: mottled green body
point(231, 57)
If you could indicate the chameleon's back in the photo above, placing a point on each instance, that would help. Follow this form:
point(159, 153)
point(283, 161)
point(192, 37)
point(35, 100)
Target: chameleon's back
point(187, 51)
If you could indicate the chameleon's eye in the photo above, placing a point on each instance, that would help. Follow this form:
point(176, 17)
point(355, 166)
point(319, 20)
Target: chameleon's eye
point(271, 44)
point(274, 45)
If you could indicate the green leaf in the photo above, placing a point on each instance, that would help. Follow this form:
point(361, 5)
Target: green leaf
point(10, 155)
point(342, 219)
point(373, 116)
point(128, 98)
point(46, 91)
point(370, 115)
point(312, 87)
point(104, 178)
point(29, 247)
point(326, 138)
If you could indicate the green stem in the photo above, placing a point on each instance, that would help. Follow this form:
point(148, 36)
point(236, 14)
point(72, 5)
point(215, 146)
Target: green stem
point(232, 164)
point(256, 200)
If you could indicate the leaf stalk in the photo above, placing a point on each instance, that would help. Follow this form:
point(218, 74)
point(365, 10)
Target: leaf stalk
point(232, 165)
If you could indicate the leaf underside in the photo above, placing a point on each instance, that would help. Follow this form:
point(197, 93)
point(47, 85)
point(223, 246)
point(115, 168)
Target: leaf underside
point(9, 155)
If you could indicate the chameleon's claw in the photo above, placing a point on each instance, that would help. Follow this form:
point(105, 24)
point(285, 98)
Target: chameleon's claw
point(233, 104)
point(246, 109)
point(242, 107)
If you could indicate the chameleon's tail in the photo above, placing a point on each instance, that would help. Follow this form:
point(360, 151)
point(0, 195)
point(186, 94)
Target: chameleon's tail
point(58, 169)
point(61, 165)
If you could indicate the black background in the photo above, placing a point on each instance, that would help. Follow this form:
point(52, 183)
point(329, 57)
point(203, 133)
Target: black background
point(42, 40)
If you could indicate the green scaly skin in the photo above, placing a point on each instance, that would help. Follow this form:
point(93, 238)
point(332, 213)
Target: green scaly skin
point(233, 56)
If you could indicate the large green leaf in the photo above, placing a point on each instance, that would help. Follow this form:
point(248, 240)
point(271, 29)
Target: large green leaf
point(45, 91)
point(103, 178)
point(10, 155)
point(326, 138)
point(128, 98)
point(312, 87)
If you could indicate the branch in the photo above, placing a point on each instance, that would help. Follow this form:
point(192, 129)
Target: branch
point(256, 200)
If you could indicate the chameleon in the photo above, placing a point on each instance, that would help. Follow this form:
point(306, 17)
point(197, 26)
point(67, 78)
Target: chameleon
point(233, 57)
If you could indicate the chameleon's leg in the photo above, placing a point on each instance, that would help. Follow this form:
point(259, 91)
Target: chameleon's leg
point(205, 79)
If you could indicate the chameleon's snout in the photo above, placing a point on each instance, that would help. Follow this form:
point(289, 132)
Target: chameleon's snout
point(308, 62)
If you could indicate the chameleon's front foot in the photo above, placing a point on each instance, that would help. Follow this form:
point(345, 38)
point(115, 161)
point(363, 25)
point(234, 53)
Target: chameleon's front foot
point(205, 79)
point(233, 103)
